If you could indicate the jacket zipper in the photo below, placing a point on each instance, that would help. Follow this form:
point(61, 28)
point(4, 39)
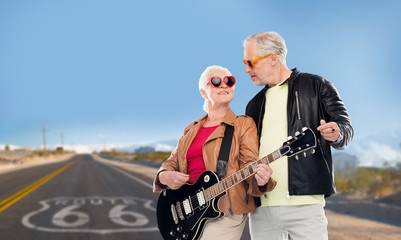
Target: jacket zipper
point(321, 150)
point(297, 100)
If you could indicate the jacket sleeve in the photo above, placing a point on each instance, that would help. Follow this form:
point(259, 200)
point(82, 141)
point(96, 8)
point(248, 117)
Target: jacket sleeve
point(171, 164)
point(335, 111)
point(249, 153)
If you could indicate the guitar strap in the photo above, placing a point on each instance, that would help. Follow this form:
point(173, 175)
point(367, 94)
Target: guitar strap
point(225, 147)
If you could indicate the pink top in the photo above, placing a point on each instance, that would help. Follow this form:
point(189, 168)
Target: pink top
point(196, 164)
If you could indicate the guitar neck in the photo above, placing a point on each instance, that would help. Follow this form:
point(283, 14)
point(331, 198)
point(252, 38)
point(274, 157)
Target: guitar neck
point(241, 175)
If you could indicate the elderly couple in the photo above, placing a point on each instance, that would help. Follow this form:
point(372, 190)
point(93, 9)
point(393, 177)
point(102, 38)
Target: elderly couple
point(289, 194)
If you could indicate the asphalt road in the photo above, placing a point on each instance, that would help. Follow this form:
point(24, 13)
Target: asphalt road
point(77, 199)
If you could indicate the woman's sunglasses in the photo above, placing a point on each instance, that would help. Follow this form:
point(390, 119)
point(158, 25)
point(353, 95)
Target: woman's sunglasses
point(216, 81)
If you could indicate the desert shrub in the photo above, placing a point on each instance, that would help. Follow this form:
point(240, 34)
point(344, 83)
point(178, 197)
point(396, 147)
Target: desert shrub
point(156, 156)
point(372, 182)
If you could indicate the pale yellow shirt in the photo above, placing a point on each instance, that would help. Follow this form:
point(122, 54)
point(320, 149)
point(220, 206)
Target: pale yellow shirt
point(274, 134)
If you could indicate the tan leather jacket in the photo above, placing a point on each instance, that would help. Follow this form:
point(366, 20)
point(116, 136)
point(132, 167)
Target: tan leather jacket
point(244, 150)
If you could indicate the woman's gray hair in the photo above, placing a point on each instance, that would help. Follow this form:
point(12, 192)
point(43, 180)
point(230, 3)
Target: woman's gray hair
point(204, 79)
point(268, 42)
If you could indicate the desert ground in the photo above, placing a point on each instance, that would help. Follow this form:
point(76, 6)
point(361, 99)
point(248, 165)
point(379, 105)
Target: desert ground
point(349, 217)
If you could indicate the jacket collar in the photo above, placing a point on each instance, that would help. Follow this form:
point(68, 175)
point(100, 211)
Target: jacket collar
point(293, 76)
point(229, 118)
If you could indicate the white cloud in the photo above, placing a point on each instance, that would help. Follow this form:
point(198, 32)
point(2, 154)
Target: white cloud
point(94, 148)
point(12, 147)
point(163, 148)
point(376, 154)
point(82, 149)
point(79, 148)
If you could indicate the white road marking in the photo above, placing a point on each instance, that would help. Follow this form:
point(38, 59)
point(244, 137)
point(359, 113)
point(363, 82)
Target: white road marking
point(132, 177)
point(69, 205)
point(101, 160)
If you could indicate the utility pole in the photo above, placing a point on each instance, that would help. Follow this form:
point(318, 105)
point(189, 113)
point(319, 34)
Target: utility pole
point(62, 140)
point(44, 136)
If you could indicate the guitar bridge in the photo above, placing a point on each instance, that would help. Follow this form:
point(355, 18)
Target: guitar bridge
point(174, 214)
point(179, 211)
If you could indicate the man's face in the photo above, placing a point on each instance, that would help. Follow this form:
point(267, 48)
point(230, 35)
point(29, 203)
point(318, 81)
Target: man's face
point(261, 72)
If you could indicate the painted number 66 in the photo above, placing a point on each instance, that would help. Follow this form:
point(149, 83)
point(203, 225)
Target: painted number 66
point(81, 218)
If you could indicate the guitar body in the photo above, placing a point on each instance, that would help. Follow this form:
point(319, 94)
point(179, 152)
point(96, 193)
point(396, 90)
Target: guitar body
point(181, 214)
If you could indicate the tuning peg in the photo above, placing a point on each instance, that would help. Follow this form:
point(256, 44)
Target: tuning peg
point(296, 133)
point(289, 137)
point(304, 154)
point(304, 128)
point(296, 157)
point(313, 151)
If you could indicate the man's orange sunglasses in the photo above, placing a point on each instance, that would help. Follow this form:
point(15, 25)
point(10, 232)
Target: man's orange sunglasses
point(251, 63)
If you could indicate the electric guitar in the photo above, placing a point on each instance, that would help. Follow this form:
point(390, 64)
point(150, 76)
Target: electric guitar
point(183, 213)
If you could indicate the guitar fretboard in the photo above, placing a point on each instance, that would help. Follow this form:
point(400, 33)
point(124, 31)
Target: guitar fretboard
point(239, 176)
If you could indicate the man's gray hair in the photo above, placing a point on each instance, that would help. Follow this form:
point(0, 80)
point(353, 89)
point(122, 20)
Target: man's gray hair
point(268, 42)
point(204, 79)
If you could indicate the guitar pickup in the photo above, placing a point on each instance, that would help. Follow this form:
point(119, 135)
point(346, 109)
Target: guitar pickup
point(201, 199)
point(187, 206)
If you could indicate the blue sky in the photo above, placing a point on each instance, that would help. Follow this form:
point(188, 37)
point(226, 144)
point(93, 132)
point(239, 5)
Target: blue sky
point(126, 72)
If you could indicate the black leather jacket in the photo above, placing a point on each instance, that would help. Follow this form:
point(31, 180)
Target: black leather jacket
point(310, 99)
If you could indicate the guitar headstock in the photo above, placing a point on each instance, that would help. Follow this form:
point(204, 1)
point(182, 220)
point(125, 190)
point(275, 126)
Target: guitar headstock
point(299, 143)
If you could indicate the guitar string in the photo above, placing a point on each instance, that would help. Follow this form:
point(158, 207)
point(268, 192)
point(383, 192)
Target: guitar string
point(233, 178)
point(251, 171)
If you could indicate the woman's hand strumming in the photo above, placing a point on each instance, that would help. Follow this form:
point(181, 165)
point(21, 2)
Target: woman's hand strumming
point(172, 179)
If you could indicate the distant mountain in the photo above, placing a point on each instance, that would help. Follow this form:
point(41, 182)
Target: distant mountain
point(161, 146)
point(378, 149)
point(342, 160)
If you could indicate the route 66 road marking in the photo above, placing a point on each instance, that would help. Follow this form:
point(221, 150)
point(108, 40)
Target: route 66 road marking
point(73, 214)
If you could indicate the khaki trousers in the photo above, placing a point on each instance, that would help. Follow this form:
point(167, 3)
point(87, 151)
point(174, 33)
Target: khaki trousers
point(225, 228)
point(304, 222)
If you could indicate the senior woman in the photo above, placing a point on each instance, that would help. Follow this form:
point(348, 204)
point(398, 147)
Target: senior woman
point(198, 149)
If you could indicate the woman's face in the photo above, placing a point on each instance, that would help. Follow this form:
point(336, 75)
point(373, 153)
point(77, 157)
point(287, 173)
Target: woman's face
point(221, 95)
